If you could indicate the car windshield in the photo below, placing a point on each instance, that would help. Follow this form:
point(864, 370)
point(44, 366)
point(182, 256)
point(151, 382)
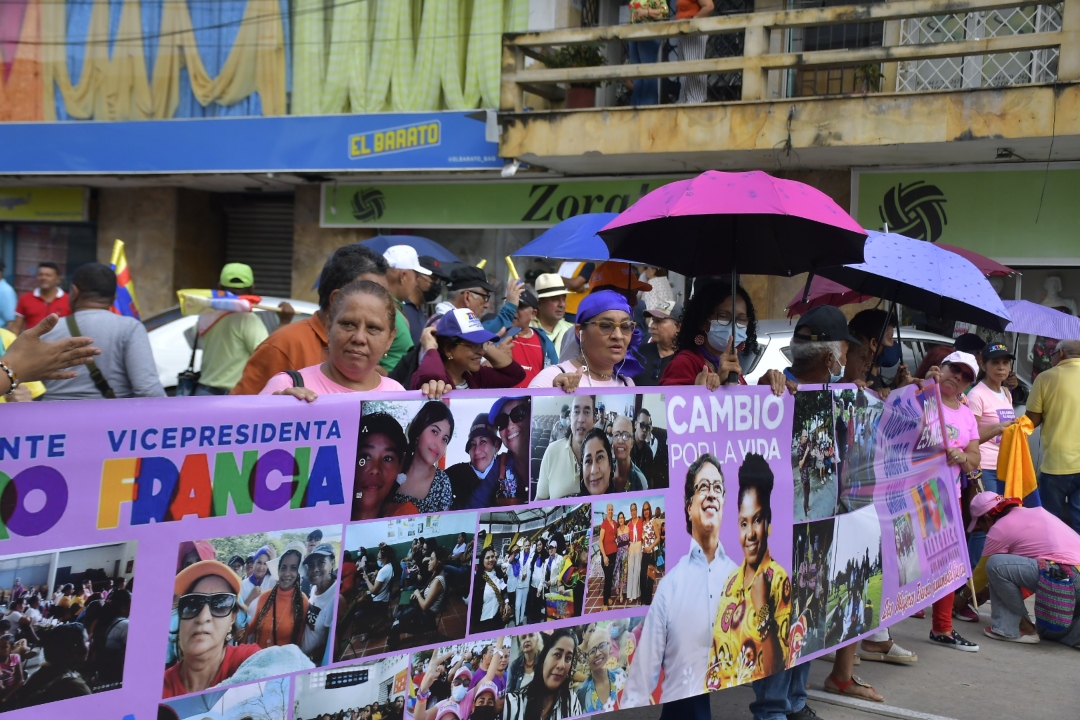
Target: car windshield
point(749, 362)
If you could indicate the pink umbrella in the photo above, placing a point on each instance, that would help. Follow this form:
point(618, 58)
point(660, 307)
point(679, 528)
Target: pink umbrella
point(823, 292)
point(986, 266)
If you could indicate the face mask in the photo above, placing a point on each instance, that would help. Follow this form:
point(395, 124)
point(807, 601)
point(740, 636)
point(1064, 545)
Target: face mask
point(433, 292)
point(890, 356)
point(485, 712)
point(836, 377)
point(379, 563)
point(616, 631)
point(720, 333)
point(458, 693)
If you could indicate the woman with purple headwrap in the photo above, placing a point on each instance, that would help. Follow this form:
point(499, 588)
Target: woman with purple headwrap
point(605, 332)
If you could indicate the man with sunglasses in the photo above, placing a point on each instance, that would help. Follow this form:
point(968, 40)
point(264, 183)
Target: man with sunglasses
point(674, 636)
point(1055, 405)
point(469, 289)
point(649, 453)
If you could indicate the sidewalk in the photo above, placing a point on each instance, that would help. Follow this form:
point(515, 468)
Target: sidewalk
point(1002, 680)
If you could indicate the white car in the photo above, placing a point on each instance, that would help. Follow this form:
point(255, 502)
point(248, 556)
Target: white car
point(172, 336)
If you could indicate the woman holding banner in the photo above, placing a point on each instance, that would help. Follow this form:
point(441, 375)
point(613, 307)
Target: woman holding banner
point(360, 332)
point(604, 328)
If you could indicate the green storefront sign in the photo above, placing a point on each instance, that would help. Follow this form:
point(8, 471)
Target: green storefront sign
point(1016, 215)
point(509, 203)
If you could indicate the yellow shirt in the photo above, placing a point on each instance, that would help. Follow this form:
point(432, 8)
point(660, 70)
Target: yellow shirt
point(737, 642)
point(1056, 395)
point(573, 299)
point(36, 388)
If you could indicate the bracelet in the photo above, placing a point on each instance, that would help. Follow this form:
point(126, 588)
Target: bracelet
point(421, 695)
point(12, 377)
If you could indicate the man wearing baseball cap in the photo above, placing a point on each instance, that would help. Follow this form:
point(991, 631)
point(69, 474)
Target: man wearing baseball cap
point(470, 290)
point(462, 343)
point(229, 339)
point(404, 269)
point(664, 323)
point(551, 308)
point(1017, 539)
point(474, 483)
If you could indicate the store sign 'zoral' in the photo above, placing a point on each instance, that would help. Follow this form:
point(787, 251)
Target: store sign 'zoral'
point(265, 557)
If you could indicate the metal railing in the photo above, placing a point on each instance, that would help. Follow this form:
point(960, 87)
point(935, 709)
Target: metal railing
point(1052, 49)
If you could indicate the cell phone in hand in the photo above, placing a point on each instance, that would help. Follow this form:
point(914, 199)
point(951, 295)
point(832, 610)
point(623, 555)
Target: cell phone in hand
point(511, 332)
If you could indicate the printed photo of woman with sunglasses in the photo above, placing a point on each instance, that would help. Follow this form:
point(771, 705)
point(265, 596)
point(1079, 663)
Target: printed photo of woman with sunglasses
point(488, 478)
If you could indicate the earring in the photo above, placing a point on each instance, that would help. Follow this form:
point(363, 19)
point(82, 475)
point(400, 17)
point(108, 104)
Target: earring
point(699, 340)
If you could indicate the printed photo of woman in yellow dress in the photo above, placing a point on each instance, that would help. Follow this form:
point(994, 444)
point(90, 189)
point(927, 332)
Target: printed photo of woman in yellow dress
point(751, 628)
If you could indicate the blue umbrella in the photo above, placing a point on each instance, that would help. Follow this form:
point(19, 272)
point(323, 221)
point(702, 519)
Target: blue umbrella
point(925, 277)
point(422, 245)
point(573, 239)
point(1029, 318)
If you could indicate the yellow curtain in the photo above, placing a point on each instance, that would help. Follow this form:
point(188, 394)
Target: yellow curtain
point(119, 88)
point(21, 97)
point(308, 58)
point(349, 56)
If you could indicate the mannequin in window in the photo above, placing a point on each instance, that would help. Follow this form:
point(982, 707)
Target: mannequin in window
point(1042, 349)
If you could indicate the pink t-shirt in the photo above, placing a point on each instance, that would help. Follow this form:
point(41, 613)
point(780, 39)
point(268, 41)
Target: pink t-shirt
point(316, 380)
point(990, 408)
point(960, 426)
point(1033, 533)
point(546, 377)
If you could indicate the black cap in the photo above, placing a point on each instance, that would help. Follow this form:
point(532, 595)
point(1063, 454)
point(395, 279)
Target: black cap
point(823, 323)
point(969, 343)
point(436, 267)
point(469, 277)
point(234, 560)
point(997, 350)
point(528, 299)
point(481, 426)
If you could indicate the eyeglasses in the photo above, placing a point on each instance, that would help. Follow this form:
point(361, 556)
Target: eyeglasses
point(644, 426)
point(606, 327)
point(705, 489)
point(725, 317)
point(623, 436)
point(517, 415)
point(485, 296)
point(600, 649)
point(221, 604)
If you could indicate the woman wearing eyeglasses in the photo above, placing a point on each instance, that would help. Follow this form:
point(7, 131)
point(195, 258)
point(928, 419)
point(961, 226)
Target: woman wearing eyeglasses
point(207, 607)
point(461, 344)
point(601, 689)
point(708, 351)
point(604, 329)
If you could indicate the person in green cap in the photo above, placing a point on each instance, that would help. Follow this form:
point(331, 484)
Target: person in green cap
point(228, 339)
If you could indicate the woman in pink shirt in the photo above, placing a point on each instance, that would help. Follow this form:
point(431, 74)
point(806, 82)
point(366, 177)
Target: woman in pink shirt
point(992, 404)
point(958, 372)
point(360, 332)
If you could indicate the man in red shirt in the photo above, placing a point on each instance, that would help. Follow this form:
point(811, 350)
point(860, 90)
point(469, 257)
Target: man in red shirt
point(531, 350)
point(48, 297)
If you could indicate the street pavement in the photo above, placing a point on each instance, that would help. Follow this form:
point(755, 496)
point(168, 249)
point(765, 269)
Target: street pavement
point(1002, 680)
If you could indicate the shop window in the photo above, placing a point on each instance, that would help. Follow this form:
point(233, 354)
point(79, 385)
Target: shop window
point(24, 245)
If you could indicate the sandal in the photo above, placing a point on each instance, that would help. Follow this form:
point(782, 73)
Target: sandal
point(842, 688)
point(896, 655)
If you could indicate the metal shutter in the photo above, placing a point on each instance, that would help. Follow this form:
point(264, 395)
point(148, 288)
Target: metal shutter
point(259, 232)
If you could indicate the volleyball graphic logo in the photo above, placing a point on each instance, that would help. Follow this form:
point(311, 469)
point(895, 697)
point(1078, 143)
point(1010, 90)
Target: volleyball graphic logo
point(368, 204)
point(915, 210)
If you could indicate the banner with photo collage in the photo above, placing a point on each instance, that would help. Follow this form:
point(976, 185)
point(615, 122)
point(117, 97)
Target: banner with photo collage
point(382, 556)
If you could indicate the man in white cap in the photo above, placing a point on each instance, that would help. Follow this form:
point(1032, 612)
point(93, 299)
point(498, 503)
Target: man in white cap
point(550, 315)
point(404, 267)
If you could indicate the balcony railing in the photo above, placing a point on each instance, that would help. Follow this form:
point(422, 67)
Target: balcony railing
point(926, 45)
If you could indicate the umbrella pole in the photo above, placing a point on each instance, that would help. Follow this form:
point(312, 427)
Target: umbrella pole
point(733, 377)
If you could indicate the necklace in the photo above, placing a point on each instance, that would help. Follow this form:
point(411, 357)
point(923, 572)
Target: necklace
point(588, 371)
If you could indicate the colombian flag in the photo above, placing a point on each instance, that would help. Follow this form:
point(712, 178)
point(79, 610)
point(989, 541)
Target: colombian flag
point(125, 303)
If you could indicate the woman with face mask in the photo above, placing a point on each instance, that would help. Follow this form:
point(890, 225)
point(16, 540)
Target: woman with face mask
point(548, 696)
point(708, 350)
point(379, 589)
point(281, 614)
point(482, 702)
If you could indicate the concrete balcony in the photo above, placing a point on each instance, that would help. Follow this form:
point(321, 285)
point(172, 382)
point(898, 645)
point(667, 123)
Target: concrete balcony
point(946, 82)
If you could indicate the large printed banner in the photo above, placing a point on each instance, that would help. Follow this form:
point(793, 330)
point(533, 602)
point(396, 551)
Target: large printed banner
point(384, 555)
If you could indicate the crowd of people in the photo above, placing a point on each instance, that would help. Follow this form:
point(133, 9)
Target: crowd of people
point(263, 613)
point(531, 577)
point(394, 710)
point(70, 643)
point(432, 573)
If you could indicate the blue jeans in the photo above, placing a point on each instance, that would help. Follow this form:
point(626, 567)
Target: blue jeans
point(1061, 497)
point(646, 90)
point(206, 390)
point(691, 708)
point(991, 483)
point(780, 694)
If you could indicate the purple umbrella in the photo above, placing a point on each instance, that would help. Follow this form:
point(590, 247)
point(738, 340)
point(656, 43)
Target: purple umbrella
point(923, 276)
point(1029, 318)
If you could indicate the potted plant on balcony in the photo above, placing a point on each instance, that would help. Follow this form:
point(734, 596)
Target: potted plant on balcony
point(580, 94)
point(868, 78)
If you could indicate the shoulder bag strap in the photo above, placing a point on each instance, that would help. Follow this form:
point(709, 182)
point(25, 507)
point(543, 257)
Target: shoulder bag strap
point(297, 378)
point(194, 347)
point(95, 374)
